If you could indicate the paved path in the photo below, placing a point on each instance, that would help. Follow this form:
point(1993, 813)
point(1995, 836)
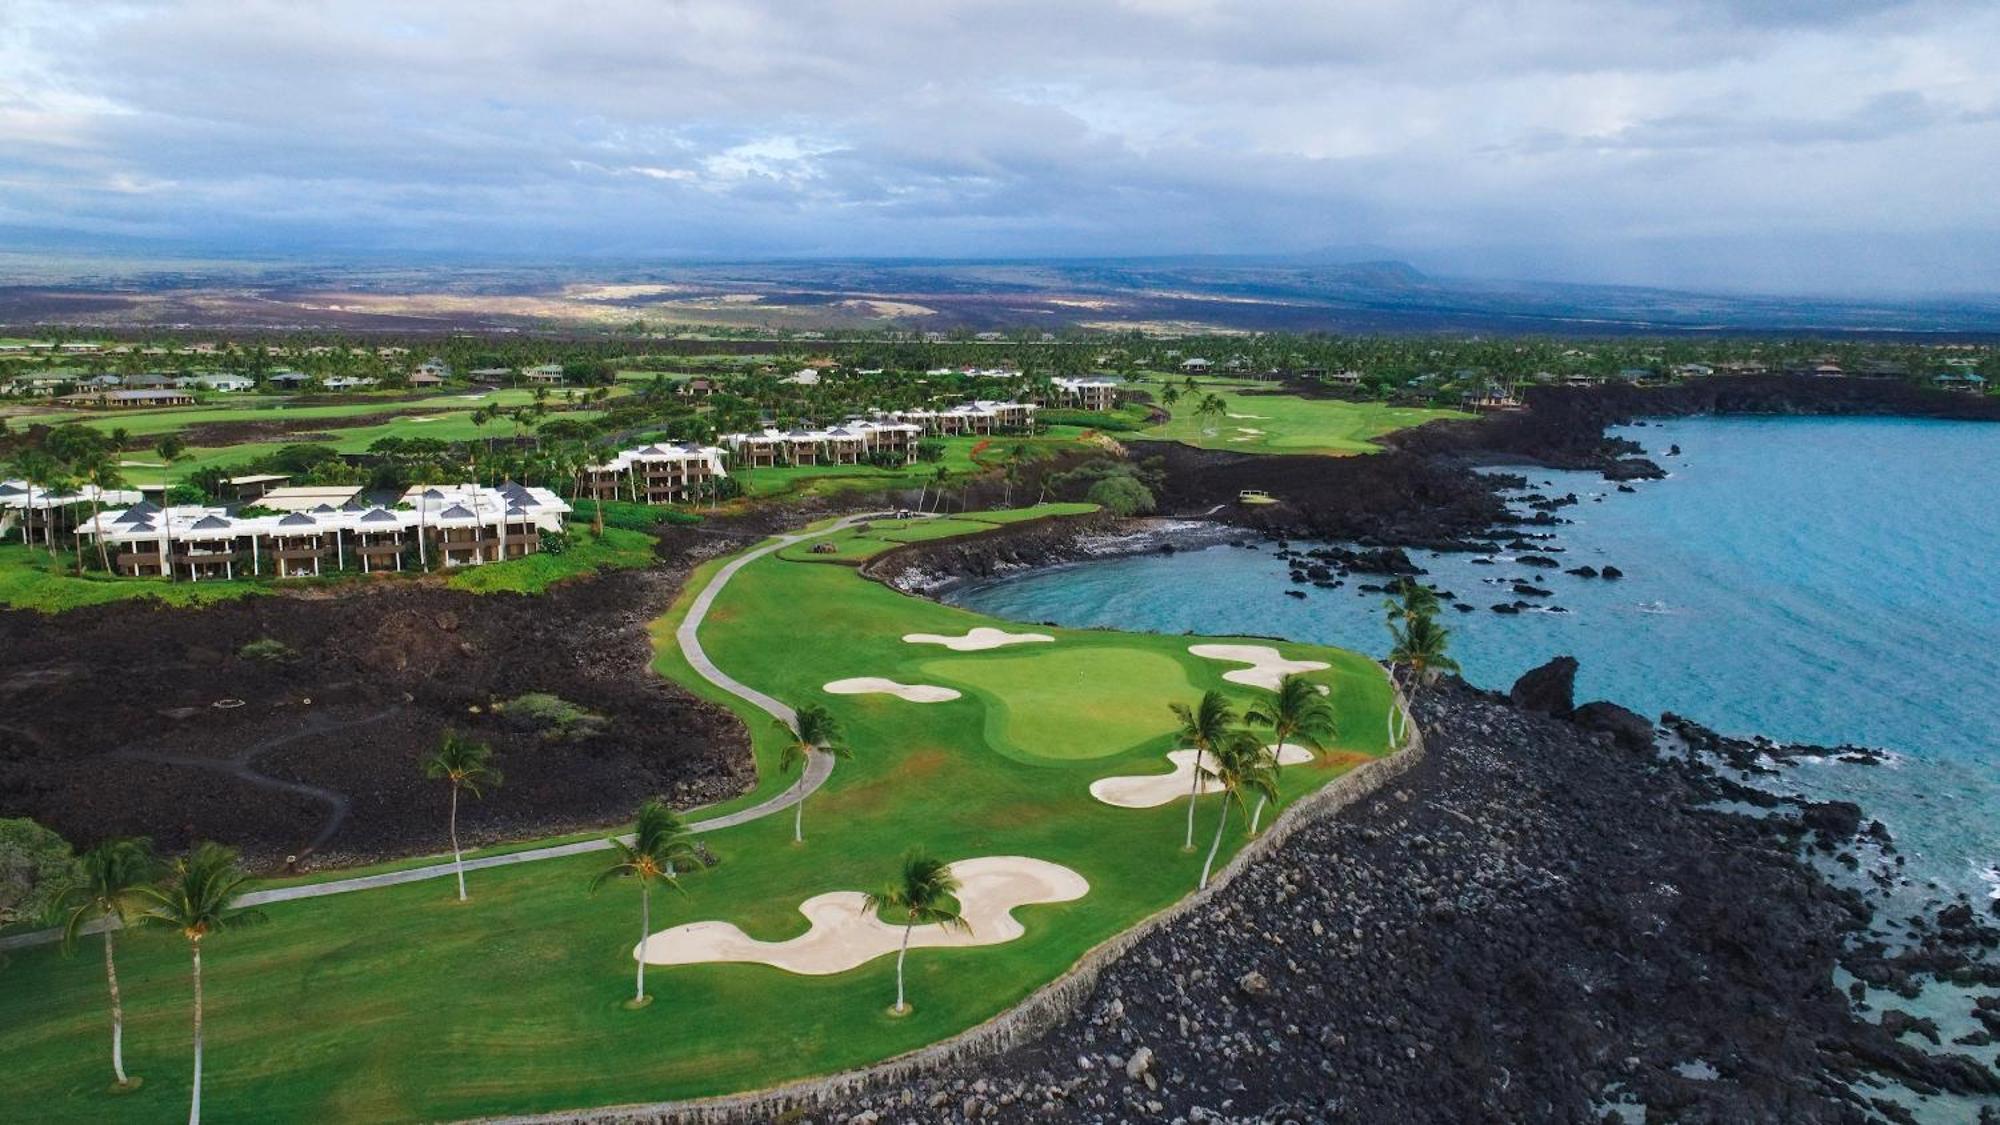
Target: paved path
point(818, 768)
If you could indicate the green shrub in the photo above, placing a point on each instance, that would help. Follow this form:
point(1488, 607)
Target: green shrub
point(268, 649)
point(555, 542)
point(556, 718)
point(1121, 495)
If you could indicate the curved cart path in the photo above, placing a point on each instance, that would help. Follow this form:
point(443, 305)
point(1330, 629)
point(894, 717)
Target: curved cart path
point(818, 768)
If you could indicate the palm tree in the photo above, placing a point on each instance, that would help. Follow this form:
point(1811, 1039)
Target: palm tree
point(39, 470)
point(813, 729)
point(195, 900)
point(1240, 764)
point(1298, 713)
point(1204, 728)
point(101, 470)
point(658, 850)
point(465, 765)
point(110, 885)
point(1420, 643)
point(1412, 600)
point(920, 895)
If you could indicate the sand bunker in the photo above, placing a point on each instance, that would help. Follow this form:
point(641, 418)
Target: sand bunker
point(844, 935)
point(980, 639)
point(1258, 417)
point(1150, 791)
point(876, 685)
point(1267, 667)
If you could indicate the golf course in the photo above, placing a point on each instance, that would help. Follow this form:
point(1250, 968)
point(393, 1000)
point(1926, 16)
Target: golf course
point(1263, 422)
point(425, 1007)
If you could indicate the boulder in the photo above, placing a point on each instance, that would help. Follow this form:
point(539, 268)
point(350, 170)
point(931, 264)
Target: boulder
point(1628, 729)
point(1839, 819)
point(1549, 689)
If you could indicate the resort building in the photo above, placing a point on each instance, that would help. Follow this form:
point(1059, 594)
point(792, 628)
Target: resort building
point(446, 525)
point(655, 474)
point(546, 375)
point(1089, 393)
point(980, 417)
point(127, 400)
point(41, 515)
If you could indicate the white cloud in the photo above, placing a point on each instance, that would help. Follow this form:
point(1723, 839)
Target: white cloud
point(1609, 139)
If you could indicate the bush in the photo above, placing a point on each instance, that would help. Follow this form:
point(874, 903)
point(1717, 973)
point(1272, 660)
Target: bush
point(1121, 495)
point(556, 718)
point(268, 649)
point(555, 542)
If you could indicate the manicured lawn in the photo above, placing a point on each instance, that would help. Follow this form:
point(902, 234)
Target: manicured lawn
point(1289, 424)
point(619, 549)
point(28, 580)
point(402, 1003)
point(1054, 704)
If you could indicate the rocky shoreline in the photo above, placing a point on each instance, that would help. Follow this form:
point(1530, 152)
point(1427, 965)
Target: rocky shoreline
point(1533, 923)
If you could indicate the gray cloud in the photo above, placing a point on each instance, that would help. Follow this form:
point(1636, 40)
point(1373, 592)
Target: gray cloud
point(1724, 143)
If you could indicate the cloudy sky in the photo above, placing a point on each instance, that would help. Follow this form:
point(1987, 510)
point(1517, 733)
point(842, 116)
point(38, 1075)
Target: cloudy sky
point(1778, 145)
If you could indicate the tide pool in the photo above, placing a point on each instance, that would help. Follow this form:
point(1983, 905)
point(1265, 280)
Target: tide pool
point(1812, 579)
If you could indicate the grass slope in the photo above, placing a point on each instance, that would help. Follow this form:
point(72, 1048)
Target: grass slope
point(402, 1003)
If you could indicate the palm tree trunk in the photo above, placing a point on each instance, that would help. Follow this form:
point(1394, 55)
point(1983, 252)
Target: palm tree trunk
point(799, 806)
point(194, 1106)
point(97, 514)
point(1216, 844)
point(117, 1013)
point(457, 857)
point(1257, 816)
point(645, 931)
point(900, 955)
point(1194, 790)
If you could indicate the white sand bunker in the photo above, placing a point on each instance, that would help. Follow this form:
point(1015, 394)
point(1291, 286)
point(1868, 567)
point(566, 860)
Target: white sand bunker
point(978, 640)
point(1267, 667)
point(876, 685)
point(844, 935)
point(1150, 791)
point(1258, 417)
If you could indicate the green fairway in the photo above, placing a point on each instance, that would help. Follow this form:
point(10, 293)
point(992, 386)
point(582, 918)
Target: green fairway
point(402, 1003)
point(1279, 423)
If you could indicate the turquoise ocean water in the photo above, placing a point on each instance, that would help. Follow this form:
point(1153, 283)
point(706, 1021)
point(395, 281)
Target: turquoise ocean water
point(1814, 580)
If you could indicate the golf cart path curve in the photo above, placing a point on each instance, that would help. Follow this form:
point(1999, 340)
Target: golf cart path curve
point(818, 768)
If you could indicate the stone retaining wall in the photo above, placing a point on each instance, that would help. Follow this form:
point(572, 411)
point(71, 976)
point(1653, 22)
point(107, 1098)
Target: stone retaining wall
point(1045, 1008)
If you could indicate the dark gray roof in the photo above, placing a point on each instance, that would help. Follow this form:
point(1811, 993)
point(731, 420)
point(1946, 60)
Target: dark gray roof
point(379, 515)
point(143, 507)
point(133, 515)
point(433, 494)
point(141, 525)
point(455, 512)
point(11, 490)
point(354, 504)
point(323, 508)
point(211, 523)
point(517, 510)
point(298, 519)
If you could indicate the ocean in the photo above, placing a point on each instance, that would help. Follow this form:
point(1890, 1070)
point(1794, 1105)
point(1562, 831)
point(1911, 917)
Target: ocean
point(1822, 580)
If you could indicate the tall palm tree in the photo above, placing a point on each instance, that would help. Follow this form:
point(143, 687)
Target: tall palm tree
point(110, 885)
point(814, 730)
point(100, 469)
point(1203, 727)
point(195, 900)
point(920, 895)
point(659, 850)
point(1420, 644)
point(41, 471)
point(465, 765)
point(1298, 713)
point(1239, 765)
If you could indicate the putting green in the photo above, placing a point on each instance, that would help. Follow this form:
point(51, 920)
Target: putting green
point(1069, 703)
